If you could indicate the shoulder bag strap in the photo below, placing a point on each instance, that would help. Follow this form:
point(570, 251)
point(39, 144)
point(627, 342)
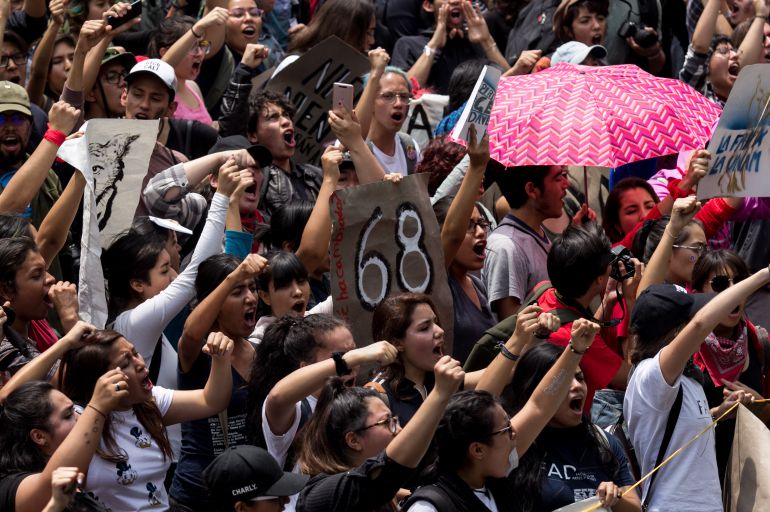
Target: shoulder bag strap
point(673, 416)
point(155, 362)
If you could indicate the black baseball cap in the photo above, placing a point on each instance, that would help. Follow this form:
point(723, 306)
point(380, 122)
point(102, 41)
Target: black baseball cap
point(663, 307)
point(243, 473)
point(258, 152)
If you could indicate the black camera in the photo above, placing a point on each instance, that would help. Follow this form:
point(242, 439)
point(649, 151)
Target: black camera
point(643, 35)
point(623, 255)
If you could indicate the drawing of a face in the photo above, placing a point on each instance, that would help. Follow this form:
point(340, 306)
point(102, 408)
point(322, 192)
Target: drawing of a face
point(108, 164)
point(142, 439)
point(126, 474)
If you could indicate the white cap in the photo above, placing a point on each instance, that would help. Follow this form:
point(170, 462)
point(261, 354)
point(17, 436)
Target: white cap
point(157, 68)
point(576, 52)
point(170, 224)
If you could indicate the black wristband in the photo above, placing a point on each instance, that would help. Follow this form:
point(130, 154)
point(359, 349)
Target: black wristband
point(507, 353)
point(340, 364)
point(576, 351)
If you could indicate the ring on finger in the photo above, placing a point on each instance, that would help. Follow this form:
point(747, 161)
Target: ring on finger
point(117, 386)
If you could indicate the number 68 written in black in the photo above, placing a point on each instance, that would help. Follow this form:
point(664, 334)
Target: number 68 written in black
point(407, 244)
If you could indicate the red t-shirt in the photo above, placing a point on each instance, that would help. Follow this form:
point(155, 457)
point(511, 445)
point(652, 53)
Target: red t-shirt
point(600, 363)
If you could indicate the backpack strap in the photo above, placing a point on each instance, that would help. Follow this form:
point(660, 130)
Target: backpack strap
point(155, 362)
point(407, 144)
point(673, 416)
point(434, 495)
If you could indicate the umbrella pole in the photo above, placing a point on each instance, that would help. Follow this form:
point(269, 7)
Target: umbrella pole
point(585, 183)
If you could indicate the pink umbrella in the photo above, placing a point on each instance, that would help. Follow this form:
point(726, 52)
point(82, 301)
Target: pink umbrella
point(605, 116)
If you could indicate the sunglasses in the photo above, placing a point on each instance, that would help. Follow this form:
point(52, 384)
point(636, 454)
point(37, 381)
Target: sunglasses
point(722, 282)
point(15, 119)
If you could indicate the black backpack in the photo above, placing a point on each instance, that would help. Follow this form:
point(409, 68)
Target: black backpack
point(533, 30)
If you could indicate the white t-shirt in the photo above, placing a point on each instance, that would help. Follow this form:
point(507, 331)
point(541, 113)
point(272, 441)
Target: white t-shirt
point(325, 308)
point(690, 481)
point(396, 162)
point(137, 482)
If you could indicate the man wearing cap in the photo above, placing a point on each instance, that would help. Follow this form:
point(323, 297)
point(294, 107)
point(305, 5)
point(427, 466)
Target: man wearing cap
point(103, 100)
point(27, 183)
point(248, 478)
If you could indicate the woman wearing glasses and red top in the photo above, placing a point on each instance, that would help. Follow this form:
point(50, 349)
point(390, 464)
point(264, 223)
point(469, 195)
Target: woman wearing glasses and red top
point(734, 354)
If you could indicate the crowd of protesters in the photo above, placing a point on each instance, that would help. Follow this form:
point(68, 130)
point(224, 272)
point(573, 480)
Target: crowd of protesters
point(223, 381)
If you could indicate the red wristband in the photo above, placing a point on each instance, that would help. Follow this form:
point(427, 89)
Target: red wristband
point(54, 136)
point(676, 192)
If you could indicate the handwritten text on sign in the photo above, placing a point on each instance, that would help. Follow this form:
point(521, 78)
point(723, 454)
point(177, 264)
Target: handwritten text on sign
point(308, 82)
point(386, 241)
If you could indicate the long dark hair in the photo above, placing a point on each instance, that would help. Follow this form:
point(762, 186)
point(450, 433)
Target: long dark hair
point(468, 418)
point(611, 213)
point(288, 223)
point(340, 409)
point(349, 18)
point(26, 408)
point(212, 272)
point(390, 321)
point(527, 480)
point(648, 237)
point(287, 343)
point(716, 261)
point(131, 256)
point(82, 367)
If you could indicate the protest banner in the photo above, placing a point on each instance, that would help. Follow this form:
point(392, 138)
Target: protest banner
point(307, 83)
point(113, 156)
point(740, 150)
point(478, 107)
point(748, 470)
point(425, 113)
point(386, 241)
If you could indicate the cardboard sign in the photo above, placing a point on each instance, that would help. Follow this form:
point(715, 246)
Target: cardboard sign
point(748, 470)
point(113, 156)
point(479, 106)
point(424, 115)
point(307, 83)
point(385, 242)
point(740, 147)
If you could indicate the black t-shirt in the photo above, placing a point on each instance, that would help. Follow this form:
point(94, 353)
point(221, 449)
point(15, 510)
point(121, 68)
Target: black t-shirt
point(573, 467)
point(455, 52)
point(470, 321)
point(191, 138)
point(8, 486)
point(203, 440)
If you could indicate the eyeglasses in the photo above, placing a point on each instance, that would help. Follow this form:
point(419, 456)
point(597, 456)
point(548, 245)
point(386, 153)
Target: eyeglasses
point(15, 119)
point(509, 429)
point(390, 97)
point(390, 421)
point(17, 58)
point(115, 77)
point(240, 12)
point(699, 248)
point(203, 46)
point(722, 282)
point(484, 224)
point(724, 50)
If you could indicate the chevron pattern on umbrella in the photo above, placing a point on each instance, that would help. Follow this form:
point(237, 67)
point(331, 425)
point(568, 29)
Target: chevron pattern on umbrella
point(605, 116)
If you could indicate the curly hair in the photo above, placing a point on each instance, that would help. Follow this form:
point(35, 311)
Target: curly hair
point(439, 157)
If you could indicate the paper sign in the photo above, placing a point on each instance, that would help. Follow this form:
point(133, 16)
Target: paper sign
point(478, 107)
point(748, 471)
point(740, 148)
point(385, 242)
point(591, 504)
point(113, 156)
point(425, 113)
point(307, 83)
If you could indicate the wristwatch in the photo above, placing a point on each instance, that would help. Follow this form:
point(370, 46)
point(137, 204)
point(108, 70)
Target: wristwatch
point(430, 52)
point(340, 364)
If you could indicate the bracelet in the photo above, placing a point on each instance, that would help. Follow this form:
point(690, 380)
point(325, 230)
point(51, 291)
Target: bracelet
point(97, 410)
point(196, 36)
point(574, 350)
point(507, 353)
point(54, 136)
point(676, 192)
point(761, 17)
point(340, 366)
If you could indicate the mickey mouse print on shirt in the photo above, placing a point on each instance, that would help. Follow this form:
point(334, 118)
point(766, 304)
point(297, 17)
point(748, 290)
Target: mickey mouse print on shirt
point(142, 439)
point(126, 474)
point(152, 496)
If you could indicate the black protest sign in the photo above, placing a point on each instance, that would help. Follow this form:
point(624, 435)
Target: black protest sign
point(308, 82)
point(385, 242)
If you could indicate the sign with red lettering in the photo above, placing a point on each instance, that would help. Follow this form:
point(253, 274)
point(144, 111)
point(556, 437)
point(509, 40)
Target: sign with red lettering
point(307, 83)
point(386, 241)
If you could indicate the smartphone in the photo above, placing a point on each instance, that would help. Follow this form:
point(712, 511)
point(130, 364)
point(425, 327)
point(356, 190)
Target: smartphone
point(342, 96)
point(136, 10)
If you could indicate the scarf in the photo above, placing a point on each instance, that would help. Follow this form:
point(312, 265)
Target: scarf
point(249, 223)
point(724, 358)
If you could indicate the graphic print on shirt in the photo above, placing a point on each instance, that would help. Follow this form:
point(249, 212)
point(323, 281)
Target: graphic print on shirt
point(152, 496)
point(126, 474)
point(571, 479)
point(142, 440)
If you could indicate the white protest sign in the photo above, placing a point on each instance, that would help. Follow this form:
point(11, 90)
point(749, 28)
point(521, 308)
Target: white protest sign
point(113, 156)
point(740, 150)
point(425, 113)
point(479, 106)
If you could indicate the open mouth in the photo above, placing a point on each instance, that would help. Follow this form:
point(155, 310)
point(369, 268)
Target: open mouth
point(479, 248)
point(456, 16)
point(288, 138)
point(299, 307)
point(249, 31)
point(439, 349)
point(147, 383)
point(596, 39)
point(733, 69)
point(250, 318)
point(11, 142)
point(141, 115)
point(47, 301)
point(397, 116)
point(576, 405)
point(196, 66)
